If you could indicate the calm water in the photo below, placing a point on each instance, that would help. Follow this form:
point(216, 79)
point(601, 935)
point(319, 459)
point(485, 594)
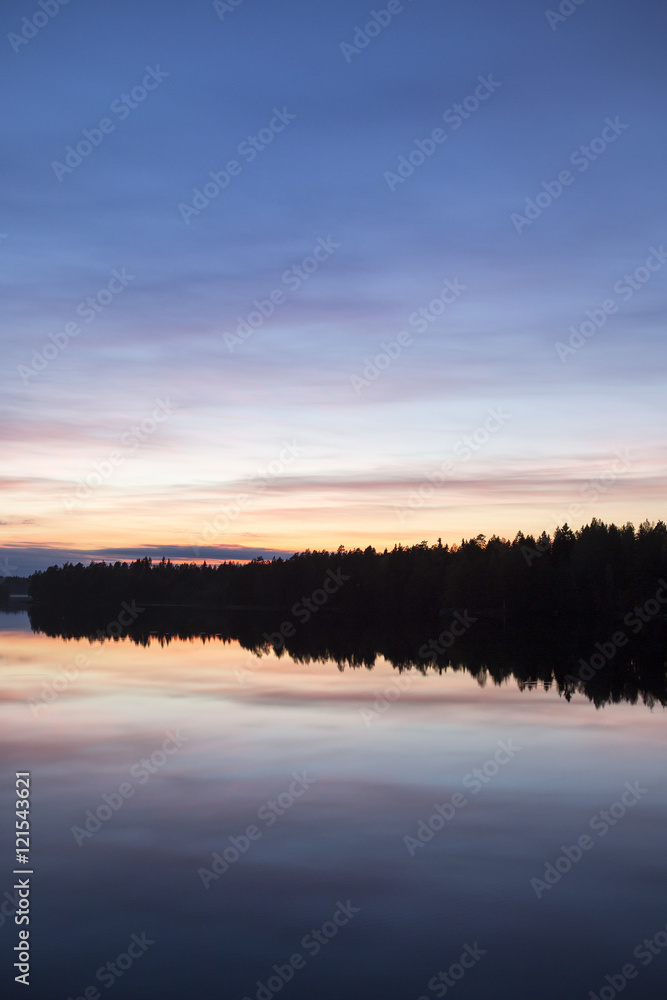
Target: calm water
point(519, 776)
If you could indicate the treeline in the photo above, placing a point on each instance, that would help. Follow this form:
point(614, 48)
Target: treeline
point(597, 571)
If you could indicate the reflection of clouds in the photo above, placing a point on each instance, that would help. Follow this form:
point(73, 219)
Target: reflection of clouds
point(343, 840)
point(204, 671)
point(471, 881)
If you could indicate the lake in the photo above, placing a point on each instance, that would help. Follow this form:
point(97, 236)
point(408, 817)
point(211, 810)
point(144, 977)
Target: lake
point(211, 823)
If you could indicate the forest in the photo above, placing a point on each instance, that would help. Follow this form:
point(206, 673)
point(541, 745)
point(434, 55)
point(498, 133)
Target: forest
point(600, 570)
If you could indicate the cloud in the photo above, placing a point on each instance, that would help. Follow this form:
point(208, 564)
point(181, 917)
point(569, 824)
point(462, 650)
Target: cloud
point(29, 558)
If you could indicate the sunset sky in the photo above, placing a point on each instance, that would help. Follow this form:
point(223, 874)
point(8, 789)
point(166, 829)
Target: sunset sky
point(371, 190)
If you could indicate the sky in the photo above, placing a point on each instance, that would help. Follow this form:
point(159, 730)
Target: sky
point(282, 275)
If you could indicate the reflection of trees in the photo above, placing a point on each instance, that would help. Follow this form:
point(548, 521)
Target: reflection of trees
point(539, 655)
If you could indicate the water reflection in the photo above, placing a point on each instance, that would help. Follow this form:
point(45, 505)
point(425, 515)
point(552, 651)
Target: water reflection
point(608, 661)
point(247, 721)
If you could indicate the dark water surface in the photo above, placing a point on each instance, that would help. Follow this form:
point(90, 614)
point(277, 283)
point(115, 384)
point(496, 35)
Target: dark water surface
point(279, 802)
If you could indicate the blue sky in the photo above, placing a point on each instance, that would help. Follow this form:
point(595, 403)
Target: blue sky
point(342, 120)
